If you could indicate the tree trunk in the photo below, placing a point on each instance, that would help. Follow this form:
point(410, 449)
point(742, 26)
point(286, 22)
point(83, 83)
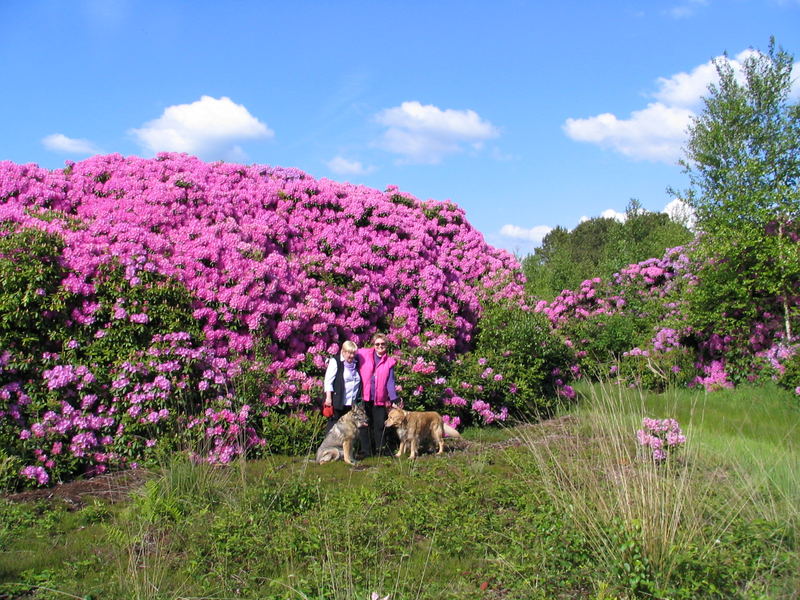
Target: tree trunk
point(787, 323)
point(786, 287)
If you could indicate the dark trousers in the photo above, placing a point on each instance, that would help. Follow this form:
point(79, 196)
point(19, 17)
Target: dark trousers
point(338, 413)
point(373, 439)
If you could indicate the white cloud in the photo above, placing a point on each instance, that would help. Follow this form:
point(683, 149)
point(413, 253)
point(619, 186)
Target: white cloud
point(688, 89)
point(680, 212)
point(658, 131)
point(58, 142)
point(654, 133)
point(208, 128)
point(686, 9)
point(425, 133)
point(534, 234)
point(608, 213)
point(343, 166)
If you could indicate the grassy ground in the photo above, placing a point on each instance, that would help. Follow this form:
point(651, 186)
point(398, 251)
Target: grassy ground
point(563, 509)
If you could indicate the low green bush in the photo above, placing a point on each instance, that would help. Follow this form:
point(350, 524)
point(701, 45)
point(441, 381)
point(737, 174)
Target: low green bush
point(790, 379)
point(290, 435)
point(10, 467)
point(657, 371)
point(521, 346)
point(604, 338)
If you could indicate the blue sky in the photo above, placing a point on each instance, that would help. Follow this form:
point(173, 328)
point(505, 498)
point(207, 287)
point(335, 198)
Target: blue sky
point(527, 114)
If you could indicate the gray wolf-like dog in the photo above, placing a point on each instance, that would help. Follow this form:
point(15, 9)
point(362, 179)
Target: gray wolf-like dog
point(414, 428)
point(339, 441)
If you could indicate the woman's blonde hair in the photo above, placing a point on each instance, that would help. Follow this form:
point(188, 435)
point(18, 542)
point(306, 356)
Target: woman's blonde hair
point(349, 346)
point(380, 336)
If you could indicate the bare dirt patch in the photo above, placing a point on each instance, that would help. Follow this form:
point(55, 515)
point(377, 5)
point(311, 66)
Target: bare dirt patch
point(111, 486)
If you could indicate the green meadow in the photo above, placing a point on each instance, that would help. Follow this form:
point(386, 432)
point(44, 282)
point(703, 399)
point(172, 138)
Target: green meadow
point(567, 508)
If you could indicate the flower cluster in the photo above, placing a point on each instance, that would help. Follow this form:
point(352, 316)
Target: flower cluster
point(267, 250)
point(661, 437)
point(484, 410)
point(453, 422)
point(714, 376)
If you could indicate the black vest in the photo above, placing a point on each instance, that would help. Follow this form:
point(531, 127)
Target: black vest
point(338, 384)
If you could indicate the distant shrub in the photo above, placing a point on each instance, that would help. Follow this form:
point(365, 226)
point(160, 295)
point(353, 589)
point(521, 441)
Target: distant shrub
point(655, 370)
point(601, 340)
point(790, 379)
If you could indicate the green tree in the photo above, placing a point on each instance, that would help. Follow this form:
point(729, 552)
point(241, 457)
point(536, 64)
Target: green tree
point(589, 243)
point(550, 268)
point(599, 247)
point(743, 164)
point(643, 235)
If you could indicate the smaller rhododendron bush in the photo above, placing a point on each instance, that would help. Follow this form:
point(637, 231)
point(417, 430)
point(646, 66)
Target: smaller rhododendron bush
point(645, 327)
point(151, 304)
point(519, 367)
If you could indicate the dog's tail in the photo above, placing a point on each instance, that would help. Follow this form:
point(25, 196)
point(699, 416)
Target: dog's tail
point(450, 431)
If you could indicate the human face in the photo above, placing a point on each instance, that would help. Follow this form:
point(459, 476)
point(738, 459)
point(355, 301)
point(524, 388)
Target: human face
point(380, 346)
point(348, 355)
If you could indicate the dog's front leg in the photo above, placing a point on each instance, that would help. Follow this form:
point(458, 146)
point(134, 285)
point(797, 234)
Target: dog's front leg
point(347, 448)
point(400, 450)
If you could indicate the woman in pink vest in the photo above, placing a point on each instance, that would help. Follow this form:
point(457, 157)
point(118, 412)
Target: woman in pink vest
point(376, 368)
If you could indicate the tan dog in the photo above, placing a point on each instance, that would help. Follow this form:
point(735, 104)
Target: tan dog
point(414, 428)
point(339, 441)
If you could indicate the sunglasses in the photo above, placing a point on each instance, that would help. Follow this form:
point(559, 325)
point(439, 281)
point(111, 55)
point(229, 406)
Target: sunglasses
point(380, 343)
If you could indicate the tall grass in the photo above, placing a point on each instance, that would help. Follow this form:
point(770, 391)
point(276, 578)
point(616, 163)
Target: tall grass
point(643, 517)
point(754, 432)
point(146, 537)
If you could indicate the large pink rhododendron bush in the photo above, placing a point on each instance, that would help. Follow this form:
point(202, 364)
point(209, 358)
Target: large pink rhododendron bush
point(134, 285)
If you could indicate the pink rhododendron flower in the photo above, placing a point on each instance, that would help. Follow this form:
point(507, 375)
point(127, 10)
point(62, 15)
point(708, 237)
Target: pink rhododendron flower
point(661, 436)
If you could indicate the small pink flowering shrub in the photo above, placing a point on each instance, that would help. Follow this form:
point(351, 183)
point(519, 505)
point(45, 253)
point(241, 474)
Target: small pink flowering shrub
point(713, 376)
point(660, 438)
